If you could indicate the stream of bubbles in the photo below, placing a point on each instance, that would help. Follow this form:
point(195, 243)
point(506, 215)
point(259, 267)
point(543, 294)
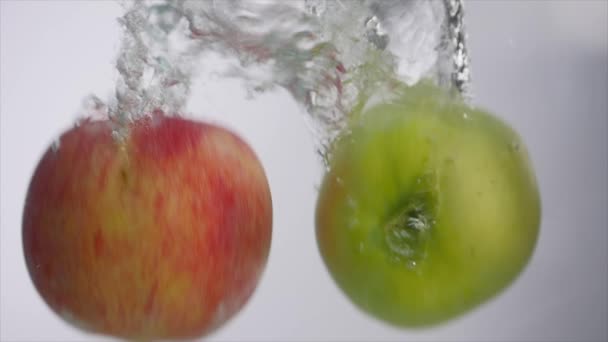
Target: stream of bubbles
point(328, 54)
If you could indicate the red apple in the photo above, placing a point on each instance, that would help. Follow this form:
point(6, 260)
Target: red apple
point(161, 235)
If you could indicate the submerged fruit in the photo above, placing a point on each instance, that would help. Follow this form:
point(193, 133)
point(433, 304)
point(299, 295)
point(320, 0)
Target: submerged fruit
point(162, 235)
point(429, 208)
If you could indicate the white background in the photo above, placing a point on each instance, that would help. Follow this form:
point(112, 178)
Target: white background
point(540, 65)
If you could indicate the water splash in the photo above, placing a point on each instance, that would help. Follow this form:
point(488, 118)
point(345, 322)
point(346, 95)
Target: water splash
point(457, 39)
point(331, 56)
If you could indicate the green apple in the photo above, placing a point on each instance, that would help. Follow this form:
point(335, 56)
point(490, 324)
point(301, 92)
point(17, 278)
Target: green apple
point(428, 209)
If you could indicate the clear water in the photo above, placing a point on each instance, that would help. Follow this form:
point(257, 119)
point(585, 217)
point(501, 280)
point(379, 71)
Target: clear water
point(329, 55)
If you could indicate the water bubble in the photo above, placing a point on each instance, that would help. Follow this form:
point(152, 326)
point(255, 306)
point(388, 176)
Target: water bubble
point(399, 249)
point(83, 119)
point(118, 135)
point(56, 144)
point(164, 17)
point(351, 202)
point(70, 317)
point(353, 222)
point(220, 314)
point(417, 222)
point(375, 33)
point(316, 7)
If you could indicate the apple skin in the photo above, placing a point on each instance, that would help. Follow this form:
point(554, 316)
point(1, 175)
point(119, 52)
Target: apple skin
point(429, 208)
point(161, 235)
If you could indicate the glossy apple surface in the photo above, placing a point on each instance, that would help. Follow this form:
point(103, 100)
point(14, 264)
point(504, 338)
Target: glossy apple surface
point(161, 235)
point(429, 208)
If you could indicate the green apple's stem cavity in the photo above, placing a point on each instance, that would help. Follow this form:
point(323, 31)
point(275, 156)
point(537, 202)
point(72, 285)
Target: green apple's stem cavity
point(408, 230)
point(406, 233)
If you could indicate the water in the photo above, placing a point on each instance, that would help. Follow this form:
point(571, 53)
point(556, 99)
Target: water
point(331, 56)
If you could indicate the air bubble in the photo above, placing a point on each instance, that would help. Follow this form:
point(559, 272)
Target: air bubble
point(417, 222)
point(55, 145)
point(375, 34)
point(350, 201)
point(220, 314)
point(353, 222)
point(340, 181)
point(118, 135)
point(70, 317)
